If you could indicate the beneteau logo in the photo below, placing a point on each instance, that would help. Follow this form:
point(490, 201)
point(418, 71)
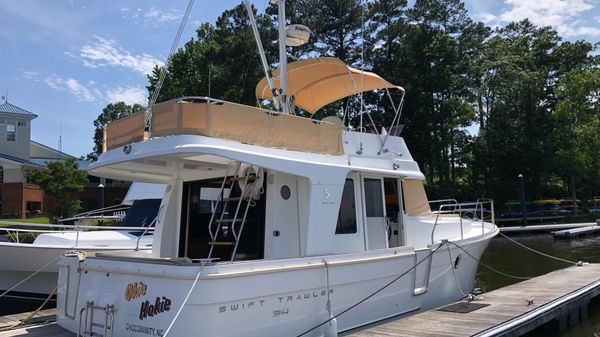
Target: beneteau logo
point(135, 290)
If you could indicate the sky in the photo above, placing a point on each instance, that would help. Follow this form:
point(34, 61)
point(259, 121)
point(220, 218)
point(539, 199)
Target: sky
point(65, 60)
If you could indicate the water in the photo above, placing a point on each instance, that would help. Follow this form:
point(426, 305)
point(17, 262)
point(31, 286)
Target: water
point(509, 258)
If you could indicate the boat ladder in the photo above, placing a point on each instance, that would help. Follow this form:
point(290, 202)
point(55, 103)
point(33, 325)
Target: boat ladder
point(86, 316)
point(241, 184)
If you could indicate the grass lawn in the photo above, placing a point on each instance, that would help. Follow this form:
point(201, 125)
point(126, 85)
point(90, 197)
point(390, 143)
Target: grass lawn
point(41, 220)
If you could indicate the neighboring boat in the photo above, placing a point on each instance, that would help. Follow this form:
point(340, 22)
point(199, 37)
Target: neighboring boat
point(132, 229)
point(272, 223)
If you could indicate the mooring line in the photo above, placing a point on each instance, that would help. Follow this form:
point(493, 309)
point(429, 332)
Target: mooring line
point(540, 253)
point(444, 242)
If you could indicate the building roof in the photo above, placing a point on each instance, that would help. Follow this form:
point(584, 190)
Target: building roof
point(15, 110)
point(20, 160)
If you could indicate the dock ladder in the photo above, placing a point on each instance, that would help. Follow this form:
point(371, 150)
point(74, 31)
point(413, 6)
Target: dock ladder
point(86, 316)
point(241, 185)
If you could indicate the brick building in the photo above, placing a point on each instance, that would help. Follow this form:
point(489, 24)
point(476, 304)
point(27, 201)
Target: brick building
point(19, 154)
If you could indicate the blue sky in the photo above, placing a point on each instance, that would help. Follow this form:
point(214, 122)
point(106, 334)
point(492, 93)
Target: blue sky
point(65, 60)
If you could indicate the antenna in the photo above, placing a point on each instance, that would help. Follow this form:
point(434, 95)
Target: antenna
point(60, 137)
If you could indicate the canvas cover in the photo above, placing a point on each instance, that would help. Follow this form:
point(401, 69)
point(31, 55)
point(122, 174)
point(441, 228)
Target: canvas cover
point(317, 82)
point(124, 131)
point(246, 124)
point(415, 199)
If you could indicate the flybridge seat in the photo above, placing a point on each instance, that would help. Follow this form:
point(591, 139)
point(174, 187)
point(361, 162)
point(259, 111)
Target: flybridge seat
point(231, 121)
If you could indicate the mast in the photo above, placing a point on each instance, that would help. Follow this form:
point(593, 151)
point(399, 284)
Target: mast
point(261, 51)
point(282, 59)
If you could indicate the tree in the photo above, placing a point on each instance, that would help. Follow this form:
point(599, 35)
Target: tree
point(61, 179)
point(577, 130)
point(221, 62)
point(111, 112)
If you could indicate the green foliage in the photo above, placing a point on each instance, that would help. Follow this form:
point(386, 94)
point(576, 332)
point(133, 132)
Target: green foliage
point(61, 179)
point(532, 96)
point(111, 112)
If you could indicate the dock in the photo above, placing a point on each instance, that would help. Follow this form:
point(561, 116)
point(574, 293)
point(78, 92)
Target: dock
point(575, 232)
point(560, 298)
point(544, 228)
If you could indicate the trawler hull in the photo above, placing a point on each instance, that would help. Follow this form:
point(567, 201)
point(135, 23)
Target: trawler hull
point(260, 298)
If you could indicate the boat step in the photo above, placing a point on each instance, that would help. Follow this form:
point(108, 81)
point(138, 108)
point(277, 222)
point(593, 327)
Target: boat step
point(221, 243)
point(252, 176)
point(228, 220)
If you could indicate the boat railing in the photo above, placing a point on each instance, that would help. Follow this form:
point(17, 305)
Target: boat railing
point(15, 233)
point(481, 210)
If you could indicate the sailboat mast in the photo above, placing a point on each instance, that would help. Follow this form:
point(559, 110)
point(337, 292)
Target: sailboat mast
point(282, 59)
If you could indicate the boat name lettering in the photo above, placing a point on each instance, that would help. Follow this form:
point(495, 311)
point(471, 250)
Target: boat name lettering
point(135, 290)
point(278, 313)
point(283, 299)
point(160, 306)
point(303, 296)
point(145, 330)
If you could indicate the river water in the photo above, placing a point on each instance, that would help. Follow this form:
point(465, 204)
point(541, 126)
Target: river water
point(507, 257)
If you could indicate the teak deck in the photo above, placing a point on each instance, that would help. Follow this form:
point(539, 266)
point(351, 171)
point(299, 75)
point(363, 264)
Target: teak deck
point(561, 295)
point(514, 310)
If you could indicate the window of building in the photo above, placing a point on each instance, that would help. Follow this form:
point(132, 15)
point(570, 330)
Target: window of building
point(346, 223)
point(11, 133)
point(1, 175)
point(21, 124)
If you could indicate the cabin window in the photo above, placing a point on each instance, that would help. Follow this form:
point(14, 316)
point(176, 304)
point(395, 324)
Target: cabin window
point(11, 133)
point(346, 223)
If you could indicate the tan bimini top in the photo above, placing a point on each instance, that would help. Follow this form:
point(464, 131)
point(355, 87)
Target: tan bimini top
point(319, 81)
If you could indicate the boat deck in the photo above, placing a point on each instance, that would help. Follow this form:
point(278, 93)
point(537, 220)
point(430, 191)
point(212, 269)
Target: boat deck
point(560, 297)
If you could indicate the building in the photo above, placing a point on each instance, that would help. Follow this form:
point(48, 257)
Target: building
point(19, 154)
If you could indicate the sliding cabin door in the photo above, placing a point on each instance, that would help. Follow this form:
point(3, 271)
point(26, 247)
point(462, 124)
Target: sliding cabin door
point(393, 211)
point(374, 211)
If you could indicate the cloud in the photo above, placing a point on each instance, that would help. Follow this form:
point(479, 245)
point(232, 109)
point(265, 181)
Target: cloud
point(31, 75)
point(162, 16)
point(71, 85)
point(105, 52)
point(563, 15)
point(487, 17)
point(152, 16)
point(129, 95)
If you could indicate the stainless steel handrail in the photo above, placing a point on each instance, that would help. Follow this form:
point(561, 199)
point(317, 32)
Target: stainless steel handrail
point(463, 209)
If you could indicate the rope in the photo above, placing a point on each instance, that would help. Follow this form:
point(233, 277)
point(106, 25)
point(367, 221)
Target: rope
point(23, 321)
point(187, 297)
point(538, 252)
point(489, 267)
point(163, 72)
point(377, 291)
point(30, 276)
point(454, 274)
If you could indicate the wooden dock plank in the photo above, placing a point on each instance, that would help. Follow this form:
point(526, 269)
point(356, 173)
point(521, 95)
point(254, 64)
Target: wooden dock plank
point(506, 304)
point(46, 330)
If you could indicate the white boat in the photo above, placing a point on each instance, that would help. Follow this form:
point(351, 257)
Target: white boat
point(273, 224)
point(33, 265)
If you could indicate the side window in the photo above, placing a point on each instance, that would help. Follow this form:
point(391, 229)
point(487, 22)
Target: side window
point(346, 223)
point(11, 133)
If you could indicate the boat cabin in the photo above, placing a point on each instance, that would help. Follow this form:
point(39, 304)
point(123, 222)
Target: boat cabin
point(248, 183)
